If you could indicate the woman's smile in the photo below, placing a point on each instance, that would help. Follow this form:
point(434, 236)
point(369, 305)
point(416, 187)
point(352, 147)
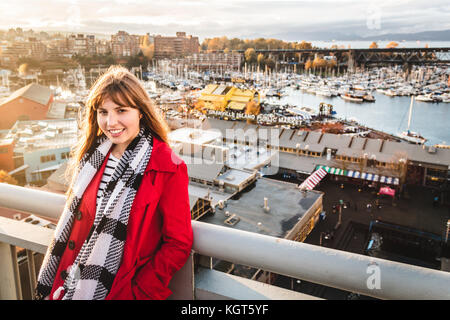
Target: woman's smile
point(120, 124)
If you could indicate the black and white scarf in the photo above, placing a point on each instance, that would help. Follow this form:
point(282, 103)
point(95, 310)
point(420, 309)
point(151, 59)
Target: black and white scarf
point(92, 274)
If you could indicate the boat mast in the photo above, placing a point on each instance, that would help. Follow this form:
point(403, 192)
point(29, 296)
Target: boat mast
point(410, 112)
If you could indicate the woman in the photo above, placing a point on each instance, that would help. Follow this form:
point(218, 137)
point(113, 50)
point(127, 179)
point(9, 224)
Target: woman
point(126, 227)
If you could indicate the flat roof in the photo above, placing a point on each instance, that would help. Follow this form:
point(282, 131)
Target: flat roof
point(192, 135)
point(35, 135)
point(235, 177)
point(202, 191)
point(287, 206)
point(317, 141)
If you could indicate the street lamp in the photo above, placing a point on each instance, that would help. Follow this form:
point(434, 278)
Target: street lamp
point(338, 224)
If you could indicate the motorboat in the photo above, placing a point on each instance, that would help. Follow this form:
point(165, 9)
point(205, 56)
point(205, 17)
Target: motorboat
point(352, 98)
point(425, 98)
point(368, 97)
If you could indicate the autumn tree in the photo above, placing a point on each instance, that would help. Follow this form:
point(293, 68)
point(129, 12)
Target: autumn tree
point(373, 45)
point(6, 178)
point(250, 55)
point(319, 63)
point(260, 59)
point(331, 63)
point(147, 48)
point(308, 64)
point(392, 45)
point(23, 69)
point(270, 63)
point(303, 45)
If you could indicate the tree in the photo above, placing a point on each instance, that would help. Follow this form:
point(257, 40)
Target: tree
point(250, 55)
point(260, 59)
point(304, 45)
point(331, 63)
point(23, 69)
point(270, 63)
point(308, 64)
point(6, 178)
point(147, 48)
point(319, 63)
point(373, 45)
point(392, 45)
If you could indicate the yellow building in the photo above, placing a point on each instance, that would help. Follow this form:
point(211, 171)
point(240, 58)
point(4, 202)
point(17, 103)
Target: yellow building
point(222, 98)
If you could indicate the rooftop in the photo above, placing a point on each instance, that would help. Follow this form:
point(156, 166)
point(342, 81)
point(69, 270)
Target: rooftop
point(34, 92)
point(287, 206)
point(34, 135)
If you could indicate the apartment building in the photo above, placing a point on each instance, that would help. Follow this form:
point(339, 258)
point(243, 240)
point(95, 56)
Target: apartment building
point(124, 44)
point(175, 47)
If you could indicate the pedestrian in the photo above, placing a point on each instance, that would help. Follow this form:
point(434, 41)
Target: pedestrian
point(126, 227)
point(435, 201)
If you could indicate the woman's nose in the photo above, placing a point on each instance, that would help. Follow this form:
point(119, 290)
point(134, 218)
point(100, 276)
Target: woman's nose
point(111, 119)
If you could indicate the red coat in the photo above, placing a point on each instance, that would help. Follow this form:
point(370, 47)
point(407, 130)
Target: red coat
point(159, 233)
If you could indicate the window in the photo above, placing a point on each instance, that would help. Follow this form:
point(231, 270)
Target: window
point(65, 155)
point(48, 158)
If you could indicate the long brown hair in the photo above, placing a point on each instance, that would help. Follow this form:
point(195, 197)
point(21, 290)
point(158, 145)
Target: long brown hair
point(124, 89)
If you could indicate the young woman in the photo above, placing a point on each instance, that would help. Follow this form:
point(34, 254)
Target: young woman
point(126, 227)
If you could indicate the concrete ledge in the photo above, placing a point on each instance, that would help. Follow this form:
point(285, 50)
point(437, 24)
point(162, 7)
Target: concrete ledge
point(216, 285)
point(25, 235)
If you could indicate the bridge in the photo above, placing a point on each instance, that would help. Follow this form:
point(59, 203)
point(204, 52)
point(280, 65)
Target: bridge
point(352, 58)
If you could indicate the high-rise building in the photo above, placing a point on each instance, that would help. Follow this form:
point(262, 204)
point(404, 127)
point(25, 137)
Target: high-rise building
point(124, 44)
point(175, 47)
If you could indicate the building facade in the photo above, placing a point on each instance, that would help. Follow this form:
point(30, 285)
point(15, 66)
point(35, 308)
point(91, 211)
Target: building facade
point(124, 44)
point(175, 47)
point(28, 103)
point(214, 61)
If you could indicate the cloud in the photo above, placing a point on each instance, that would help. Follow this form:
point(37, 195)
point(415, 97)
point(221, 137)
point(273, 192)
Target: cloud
point(233, 18)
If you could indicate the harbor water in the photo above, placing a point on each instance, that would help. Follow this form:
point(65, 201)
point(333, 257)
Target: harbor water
point(388, 114)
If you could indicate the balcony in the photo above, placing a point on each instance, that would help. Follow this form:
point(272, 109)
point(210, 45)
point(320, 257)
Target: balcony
point(197, 280)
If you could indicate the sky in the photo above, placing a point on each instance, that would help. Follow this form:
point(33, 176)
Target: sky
point(232, 18)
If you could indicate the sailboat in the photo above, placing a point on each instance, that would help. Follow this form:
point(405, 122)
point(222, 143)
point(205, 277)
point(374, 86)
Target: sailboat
point(410, 136)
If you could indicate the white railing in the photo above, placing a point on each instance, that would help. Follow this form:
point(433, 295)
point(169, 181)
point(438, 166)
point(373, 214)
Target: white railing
point(334, 268)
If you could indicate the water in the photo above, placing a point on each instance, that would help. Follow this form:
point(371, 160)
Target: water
point(388, 114)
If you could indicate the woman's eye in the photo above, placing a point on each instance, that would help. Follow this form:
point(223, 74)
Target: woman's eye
point(102, 112)
point(122, 110)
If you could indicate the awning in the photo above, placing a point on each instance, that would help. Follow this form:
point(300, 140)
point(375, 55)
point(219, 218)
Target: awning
point(335, 171)
point(388, 191)
point(51, 168)
point(360, 175)
point(21, 168)
point(313, 179)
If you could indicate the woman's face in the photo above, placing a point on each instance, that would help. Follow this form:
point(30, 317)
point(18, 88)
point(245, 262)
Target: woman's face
point(119, 124)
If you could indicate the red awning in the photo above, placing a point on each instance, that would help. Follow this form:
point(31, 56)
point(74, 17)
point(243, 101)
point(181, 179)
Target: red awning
point(313, 179)
point(387, 191)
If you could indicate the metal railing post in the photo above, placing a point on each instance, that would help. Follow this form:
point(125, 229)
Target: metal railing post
point(31, 271)
point(9, 273)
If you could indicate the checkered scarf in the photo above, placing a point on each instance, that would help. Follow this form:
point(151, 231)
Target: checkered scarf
point(91, 275)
